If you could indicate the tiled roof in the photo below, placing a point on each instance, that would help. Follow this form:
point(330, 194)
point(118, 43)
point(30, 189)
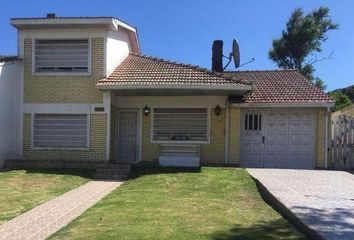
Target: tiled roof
point(8, 58)
point(273, 86)
point(145, 70)
point(280, 86)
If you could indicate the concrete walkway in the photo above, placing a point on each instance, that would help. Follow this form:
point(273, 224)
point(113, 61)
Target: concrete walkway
point(322, 200)
point(48, 218)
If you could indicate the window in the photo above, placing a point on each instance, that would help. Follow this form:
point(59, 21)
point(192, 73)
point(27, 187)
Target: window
point(253, 122)
point(55, 56)
point(60, 130)
point(180, 124)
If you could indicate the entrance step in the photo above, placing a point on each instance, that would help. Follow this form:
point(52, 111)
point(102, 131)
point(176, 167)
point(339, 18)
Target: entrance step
point(113, 171)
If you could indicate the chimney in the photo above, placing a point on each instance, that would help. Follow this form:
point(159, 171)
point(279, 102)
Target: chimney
point(217, 56)
point(51, 15)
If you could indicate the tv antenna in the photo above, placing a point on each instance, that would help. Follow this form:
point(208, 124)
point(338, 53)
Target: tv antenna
point(235, 55)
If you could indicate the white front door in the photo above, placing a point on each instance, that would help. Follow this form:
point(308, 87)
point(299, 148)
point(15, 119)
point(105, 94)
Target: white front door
point(277, 139)
point(252, 152)
point(127, 136)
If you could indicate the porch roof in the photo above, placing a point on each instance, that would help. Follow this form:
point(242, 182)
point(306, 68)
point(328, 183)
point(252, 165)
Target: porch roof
point(144, 74)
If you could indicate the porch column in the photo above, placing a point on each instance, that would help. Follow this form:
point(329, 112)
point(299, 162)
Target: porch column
point(107, 106)
point(235, 127)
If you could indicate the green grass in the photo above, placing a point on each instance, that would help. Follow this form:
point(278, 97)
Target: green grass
point(215, 203)
point(22, 190)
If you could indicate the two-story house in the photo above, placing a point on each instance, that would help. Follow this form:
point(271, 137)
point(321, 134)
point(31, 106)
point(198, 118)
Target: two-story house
point(89, 95)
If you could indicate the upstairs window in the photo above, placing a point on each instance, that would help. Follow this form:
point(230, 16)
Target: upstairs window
point(61, 56)
point(180, 124)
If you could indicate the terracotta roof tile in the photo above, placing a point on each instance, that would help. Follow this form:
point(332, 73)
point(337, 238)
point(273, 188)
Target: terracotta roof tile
point(146, 70)
point(280, 86)
point(273, 86)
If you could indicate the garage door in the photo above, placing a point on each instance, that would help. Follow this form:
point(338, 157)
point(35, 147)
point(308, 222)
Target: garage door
point(277, 138)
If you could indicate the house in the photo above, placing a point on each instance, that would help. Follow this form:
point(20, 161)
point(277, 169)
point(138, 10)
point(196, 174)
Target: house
point(89, 95)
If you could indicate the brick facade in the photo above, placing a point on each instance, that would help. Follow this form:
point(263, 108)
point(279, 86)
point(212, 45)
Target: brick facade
point(96, 151)
point(235, 136)
point(52, 88)
point(215, 151)
point(150, 151)
point(66, 89)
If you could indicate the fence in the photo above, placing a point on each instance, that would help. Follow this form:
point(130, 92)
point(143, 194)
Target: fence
point(342, 145)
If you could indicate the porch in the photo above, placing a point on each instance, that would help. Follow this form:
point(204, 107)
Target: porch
point(143, 128)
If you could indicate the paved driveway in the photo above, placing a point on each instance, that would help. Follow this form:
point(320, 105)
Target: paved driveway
point(323, 200)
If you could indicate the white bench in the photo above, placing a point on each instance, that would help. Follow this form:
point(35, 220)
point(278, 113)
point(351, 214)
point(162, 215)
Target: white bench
point(179, 155)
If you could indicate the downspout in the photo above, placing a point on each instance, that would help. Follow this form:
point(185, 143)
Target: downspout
point(326, 138)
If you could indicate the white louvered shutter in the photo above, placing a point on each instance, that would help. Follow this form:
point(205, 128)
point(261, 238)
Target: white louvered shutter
point(60, 130)
point(180, 124)
point(61, 55)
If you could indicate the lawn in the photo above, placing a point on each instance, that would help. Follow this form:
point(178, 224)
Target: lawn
point(22, 190)
point(215, 203)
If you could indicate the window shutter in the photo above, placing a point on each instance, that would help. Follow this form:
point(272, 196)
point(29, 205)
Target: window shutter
point(180, 124)
point(61, 55)
point(60, 130)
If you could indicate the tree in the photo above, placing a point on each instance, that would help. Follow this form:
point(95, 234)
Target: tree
point(341, 100)
point(300, 41)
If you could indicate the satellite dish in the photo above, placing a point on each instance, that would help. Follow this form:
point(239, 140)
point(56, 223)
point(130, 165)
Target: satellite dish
point(236, 53)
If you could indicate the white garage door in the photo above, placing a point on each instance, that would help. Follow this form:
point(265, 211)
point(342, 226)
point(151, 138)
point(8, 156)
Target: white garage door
point(277, 138)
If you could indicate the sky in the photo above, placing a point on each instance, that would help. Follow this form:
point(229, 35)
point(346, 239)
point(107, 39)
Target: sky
point(183, 30)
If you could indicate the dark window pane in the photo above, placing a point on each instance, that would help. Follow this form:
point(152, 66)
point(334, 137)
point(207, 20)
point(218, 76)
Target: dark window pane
point(256, 122)
point(246, 122)
point(260, 122)
point(250, 121)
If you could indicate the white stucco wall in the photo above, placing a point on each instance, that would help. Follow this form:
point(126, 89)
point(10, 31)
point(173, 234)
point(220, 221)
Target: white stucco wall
point(10, 111)
point(118, 47)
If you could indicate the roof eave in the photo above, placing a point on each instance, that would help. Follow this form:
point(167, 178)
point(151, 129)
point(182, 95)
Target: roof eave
point(284, 105)
point(108, 23)
point(173, 86)
point(176, 86)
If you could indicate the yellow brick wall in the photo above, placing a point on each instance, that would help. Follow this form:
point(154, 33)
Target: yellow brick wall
point(235, 136)
point(112, 133)
point(210, 153)
point(64, 88)
point(150, 152)
point(96, 151)
point(215, 151)
point(320, 137)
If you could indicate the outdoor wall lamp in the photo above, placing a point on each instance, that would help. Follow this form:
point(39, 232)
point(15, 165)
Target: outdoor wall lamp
point(146, 110)
point(217, 110)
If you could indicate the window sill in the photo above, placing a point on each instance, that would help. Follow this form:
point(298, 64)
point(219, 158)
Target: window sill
point(60, 149)
point(179, 142)
point(61, 74)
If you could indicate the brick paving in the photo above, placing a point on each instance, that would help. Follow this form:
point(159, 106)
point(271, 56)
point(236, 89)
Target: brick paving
point(46, 219)
point(323, 200)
